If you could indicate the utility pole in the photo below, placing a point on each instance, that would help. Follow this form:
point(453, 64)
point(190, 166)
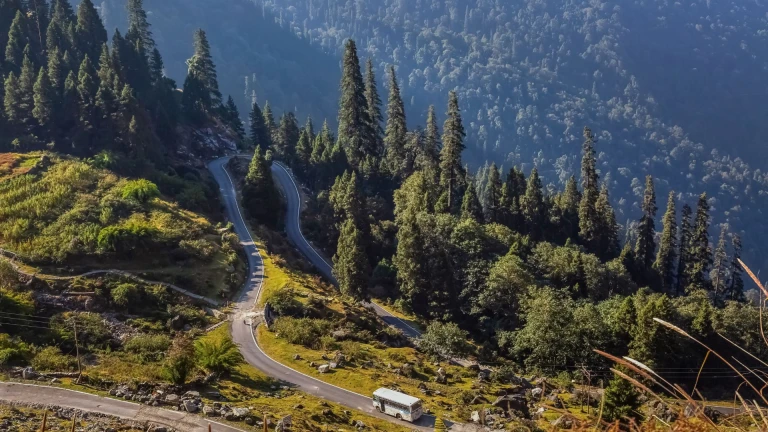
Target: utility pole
point(588, 382)
point(45, 420)
point(77, 352)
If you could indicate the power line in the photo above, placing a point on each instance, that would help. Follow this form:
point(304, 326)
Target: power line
point(24, 325)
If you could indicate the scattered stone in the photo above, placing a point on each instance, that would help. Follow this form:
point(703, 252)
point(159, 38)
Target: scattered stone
point(192, 395)
point(240, 412)
point(209, 411)
point(298, 406)
point(312, 364)
point(406, 369)
point(250, 421)
point(172, 398)
point(55, 381)
point(191, 407)
point(536, 392)
point(326, 412)
point(296, 357)
point(324, 368)
point(29, 374)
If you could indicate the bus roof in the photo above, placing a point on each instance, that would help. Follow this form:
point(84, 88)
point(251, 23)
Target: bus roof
point(396, 396)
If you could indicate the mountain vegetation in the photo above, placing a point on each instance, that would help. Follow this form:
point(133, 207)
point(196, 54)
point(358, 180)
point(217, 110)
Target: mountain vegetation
point(539, 277)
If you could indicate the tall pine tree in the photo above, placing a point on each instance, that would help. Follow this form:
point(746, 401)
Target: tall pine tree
point(607, 229)
point(533, 208)
point(260, 197)
point(589, 223)
point(207, 67)
point(374, 106)
point(735, 282)
point(355, 134)
point(17, 42)
point(451, 169)
point(44, 104)
point(396, 130)
point(231, 115)
point(90, 31)
point(665, 258)
point(720, 266)
point(470, 204)
point(260, 135)
point(645, 246)
point(492, 199)
point(684, 258)
point(700, 254)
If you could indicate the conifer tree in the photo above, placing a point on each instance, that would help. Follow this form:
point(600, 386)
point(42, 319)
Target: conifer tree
point(67, 116)
point(285, 147)
point(607, 228)
point(645, 247)
point(355, 133)
point(269, 121)
point(44, 103)
point(11, 100)
point(156, 66)
point(17, 42)
point(373, 101)
point(90, 31)
point(735, 282)
point(720, 265)
point(87, 88)
point(207, 68)
point(319, 145)
point(622, 401)
point(665, 258)
point(396, 130)
point(684, 249)
point(493, 193)
point(589, 223)
point(428, 159)
point(260, 135)
point(39, 12)
point(303, 152)
point(232, 117)
point(568, 205)
point(532, 206)
point(195, 99)
point(350, 264)
point(451, 169)
point(440, 425)
point(139, 25)
point(19, 98)
point(56, 73)
point(8, 9)
point(470, 204)
point(700, 255)
point(259, 193)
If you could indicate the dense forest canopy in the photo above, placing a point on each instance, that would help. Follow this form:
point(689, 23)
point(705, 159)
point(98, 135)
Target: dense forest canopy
point(671, 89)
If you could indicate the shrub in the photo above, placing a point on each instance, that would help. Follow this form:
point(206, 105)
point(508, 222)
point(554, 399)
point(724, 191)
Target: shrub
point(199, 248)
point(179, 361)
point(191, 315)
point(13, 351)
point(444, 340)
point(124, 238)
point(124, 293)
point(148, 347)
point(92, 331)
point(283, 301)
point(220, 356)
point(302, 331)
point(51, 359)
point(621, 400)
point(141, 190)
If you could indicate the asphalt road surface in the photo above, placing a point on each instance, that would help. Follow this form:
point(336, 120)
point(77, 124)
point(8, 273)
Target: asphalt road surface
point(178, 420)
point(242, 332)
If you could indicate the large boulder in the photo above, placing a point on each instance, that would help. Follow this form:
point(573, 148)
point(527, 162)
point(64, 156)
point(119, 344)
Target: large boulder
point(515, 402)
point(191, 406)
point(324, 368)
point(29, 374)
point(240, 412)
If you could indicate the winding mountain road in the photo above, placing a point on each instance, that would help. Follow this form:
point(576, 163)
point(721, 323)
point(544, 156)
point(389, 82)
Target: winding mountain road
point(242, 331)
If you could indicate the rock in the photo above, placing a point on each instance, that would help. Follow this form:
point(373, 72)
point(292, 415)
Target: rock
point(29, 374)
point(230, 416)
point(191, 407)
point(211, 377)
point(483, 375)
point(333, 365)
point(187, 327)
point(474, 367)
point(208, 411)
point(214, 395)
point(340, 334)
point(159, 429)
point(326, 412)
point(359, 424)
point(176, 323)
point(250, 421)
point(441, 371)
point(513, 403)
point(286, 421)
point(475, 417)
point(192, 395)
point(296, 357)
point(324, 368)
point(406, 369)
point(298, 406)
point(172, 398)
point(536, 392)
point(441, 379)
point(240, 412)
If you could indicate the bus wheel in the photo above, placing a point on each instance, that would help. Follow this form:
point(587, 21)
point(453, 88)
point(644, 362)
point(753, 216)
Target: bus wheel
point(398, 416)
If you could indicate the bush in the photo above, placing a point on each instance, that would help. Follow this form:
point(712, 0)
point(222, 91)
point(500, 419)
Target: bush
point(302, 331)
point(283, 301)
point(444, 340)
point(190, 315)
point(124, 294)
point(220, 356)
point(51, 359)
point(199, 248)
point(179, 361)
point(140, 190)
point(13, 351)
point(621, 400)
point(148, 347)
point(127, 237)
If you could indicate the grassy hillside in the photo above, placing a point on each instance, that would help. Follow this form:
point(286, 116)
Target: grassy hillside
point(57, 211)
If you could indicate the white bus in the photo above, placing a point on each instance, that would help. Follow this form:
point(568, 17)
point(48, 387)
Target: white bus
point(397, 404)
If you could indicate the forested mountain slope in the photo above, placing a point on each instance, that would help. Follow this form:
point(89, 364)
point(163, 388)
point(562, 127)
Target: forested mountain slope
point(672, 89)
